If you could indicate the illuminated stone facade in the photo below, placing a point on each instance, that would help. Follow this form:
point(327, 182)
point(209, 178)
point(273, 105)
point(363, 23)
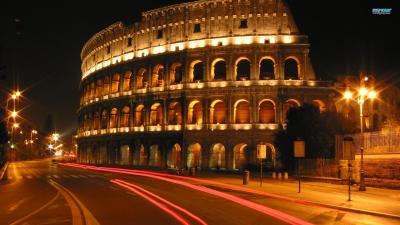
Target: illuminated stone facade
point(197, 84)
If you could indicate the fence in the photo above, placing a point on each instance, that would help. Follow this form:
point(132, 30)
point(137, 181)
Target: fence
point(378, 142)
point(319, 167)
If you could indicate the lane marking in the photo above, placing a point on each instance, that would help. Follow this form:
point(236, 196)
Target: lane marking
point(80, 214)
point(16, 205)
point(198, 219)
point(74, 176)
point(37, 210)
point(55, 176)
point(29, 177)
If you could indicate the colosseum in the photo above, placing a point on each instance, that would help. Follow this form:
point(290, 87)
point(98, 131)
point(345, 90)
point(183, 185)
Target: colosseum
point(194, 85)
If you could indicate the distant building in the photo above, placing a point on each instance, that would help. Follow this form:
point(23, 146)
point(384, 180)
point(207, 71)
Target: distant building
point(196, 84)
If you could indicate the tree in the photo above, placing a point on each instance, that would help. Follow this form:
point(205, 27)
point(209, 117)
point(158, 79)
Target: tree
point(4, 137)
point(48, 127)
point(317, 129)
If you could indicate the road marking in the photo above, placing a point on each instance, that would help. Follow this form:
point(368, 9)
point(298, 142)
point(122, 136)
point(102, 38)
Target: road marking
point(16, 205)
point(29, 177)
point(80, 214)
point(82, 176)
point(37, 210)
point(74, 176)
point(55, 176)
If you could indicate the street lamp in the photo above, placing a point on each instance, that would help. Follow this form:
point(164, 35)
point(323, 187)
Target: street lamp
point(363, 95)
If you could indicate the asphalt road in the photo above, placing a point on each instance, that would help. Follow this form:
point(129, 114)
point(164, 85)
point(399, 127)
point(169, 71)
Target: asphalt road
point(41, 192)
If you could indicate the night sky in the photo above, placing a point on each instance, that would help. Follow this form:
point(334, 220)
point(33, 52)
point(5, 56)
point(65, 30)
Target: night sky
point(41, 43)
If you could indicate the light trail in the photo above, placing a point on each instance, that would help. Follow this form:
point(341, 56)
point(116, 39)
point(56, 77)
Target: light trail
point(252, 205)
point(159, 205)
point(198, 219)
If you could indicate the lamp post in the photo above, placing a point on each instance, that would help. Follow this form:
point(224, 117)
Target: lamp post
point(363, 95)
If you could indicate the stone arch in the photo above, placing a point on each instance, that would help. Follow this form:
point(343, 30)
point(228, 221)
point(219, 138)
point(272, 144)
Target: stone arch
point(99, 88)
point(140, 115)
point(319, 104)
point(266, 111)
point(217, 112)
point(291, 103)
point(92, 90)
point(218, 69)
point(113, 118)
point(271, 155)
point(155, 157)
point(175, 113)
point(124, 155)
point(125, 116)
point(239, 156)
point(194, 156)
point(242, 68)
point(106, 85)
point(291, 68)
point(196, 71)
point(96, 120)
point(176, 73)
point(174, 156)
point(127, 81)
point(141, 79)
point(115, 83)
point(156, 114)
point(241, 111)
point(157, 79)
point(195, 112)
point(104, 119)
point(217, 156)
point(143, 156)
point(267, 68)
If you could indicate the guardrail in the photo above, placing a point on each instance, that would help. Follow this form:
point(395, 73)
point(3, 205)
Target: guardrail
point(3, 174)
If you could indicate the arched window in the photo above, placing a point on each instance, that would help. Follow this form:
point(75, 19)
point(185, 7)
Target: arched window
point(158, 76)
point(196, 72)
point(113, 118)
point(194, 156)
point(92, 90)
point(106, 88)
point(156, 114)
point(240, 158)
point(176, 73)
point(140, 115)
point(96, 121)
point(87, 92)
point(104, 119)
point(242, 112)
point(115, 83)
point(141, 79)
point(217, 112)
point(195, 113)
point(267, 69)
point(243, 69)
point(218, 69)
point(175, 114)
point(125, 116)
point(99, 88)
point(320, 105)
point(291, 103)
point(127, 81)
point(291, 69)
point(266, 113)
point(217, 156)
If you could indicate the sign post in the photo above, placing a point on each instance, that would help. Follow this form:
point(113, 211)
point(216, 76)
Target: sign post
point(348, 154)
point(299, 152)
point(261, 154)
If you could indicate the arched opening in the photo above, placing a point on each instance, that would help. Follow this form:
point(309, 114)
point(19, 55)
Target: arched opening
point(156, 114)
point(291, 103)
point(196, 72)
point(217, 112)
point(175, 114)
point(103, 159)
point(267, 69)
point(142, 156)
point(194, 156)
point(243, 69)
point(158, 76)
point(271, 156)
point(125, 116)
point(240, 158)
point(266, 113)
point(104, 119)
point(174, 158)
point(124, 154)
point(106, 88)
point(217, 156)
point(241, 112)
point(320, 105)
point(349, 113)
point(92, 90)
point(115, 83)
point(176, 73)
point(141, 81)
point(113, 118)
point(155, 156)
point(292, 69)
point(218, 69)
point(127, 81)
point(140, 115)
point(195, 112)
point(99, 88)
point(96, 121)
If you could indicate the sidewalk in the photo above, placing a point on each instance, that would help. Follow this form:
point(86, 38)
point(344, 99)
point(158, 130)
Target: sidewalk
point(375, 201)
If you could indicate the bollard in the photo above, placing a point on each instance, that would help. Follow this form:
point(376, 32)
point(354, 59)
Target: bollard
point(279, 175)
point(285, 175)
point(193, 171)
point(246, 176)
point(273, 175)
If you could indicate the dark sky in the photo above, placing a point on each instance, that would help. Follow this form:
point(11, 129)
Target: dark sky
point(43, 50)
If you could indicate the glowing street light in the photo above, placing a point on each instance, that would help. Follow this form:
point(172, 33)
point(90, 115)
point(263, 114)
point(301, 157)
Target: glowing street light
point(348, 95)
point(55, 136)
point(15, 125)
point(14, 114)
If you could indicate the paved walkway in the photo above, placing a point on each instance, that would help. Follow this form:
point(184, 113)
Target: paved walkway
point(374, 200)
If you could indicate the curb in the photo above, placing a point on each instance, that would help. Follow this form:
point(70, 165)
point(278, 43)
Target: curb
point(3, 171)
